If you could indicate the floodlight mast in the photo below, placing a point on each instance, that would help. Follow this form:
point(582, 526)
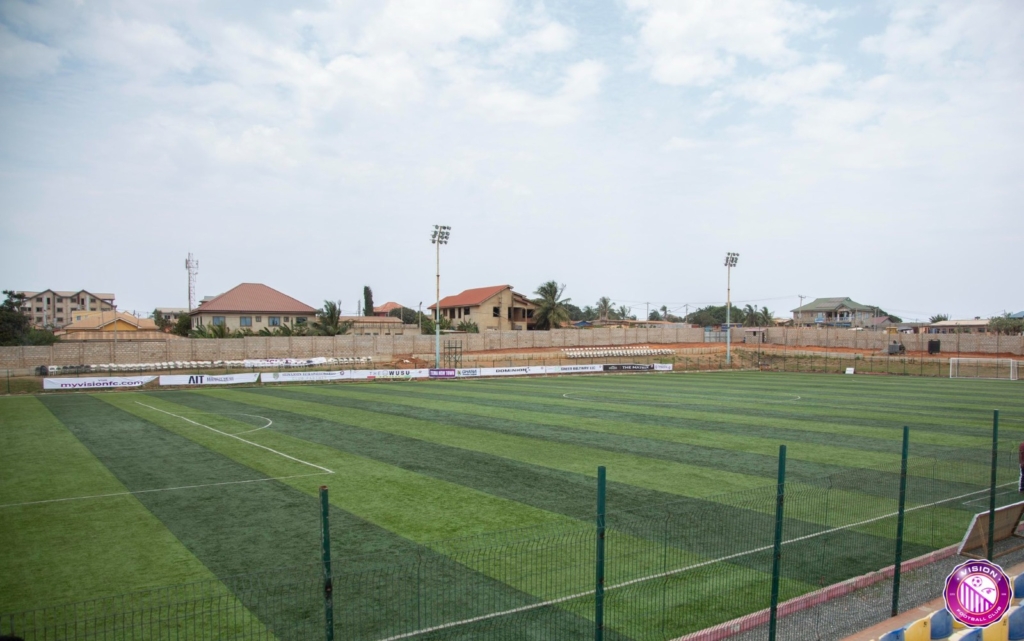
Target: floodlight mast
point(438, 238)
point(730, 262)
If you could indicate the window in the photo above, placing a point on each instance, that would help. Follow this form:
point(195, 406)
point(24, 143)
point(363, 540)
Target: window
point(465, 311)
point(259, 319)
point(245, 321)
point(300, 320)
point(60, 309)
point(78, 318)
point(286, 319)
point(529, 313)
point(496, 312)
point(60, 319)
point(273, 321)
point(39, 319)
point(39, 299)
point(60, 299)
point(47, 300)
point(39, 309)
point(218, 320)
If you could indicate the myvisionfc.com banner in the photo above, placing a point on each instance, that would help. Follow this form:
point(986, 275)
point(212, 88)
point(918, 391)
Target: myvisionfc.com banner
point(96, 382)
point(208, 379)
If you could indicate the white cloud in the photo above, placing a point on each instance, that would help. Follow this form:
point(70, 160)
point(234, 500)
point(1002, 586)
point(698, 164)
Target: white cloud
point(551, 37)
point(24, 58)
point(786, 87)
point(582, 81)
point(700, 41)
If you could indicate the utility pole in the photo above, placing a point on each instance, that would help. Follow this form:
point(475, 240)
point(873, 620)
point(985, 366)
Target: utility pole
point(438, 238)
point(648, 316)
point(801, 297)
point(419, 315)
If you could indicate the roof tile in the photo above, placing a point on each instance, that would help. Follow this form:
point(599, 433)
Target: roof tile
point(254, 297)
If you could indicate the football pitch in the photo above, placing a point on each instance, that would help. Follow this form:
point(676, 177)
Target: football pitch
point(109, 493)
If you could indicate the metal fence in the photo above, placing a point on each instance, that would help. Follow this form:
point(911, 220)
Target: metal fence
point(647, 572)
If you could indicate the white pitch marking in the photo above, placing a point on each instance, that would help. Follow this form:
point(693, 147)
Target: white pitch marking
point(652, 402)
point(161, 489)
point(287, 456)
point(580, 595)
point(269, 423)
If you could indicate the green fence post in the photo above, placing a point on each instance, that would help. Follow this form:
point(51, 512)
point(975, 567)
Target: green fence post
point(325, 549)
point(992, 488)
point(897, 566)
point(780, 497)
point(599, 561)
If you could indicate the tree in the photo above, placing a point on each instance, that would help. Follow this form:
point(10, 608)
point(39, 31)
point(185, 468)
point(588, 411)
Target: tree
point(604, 307)
point(938, 318)
point(161, 322)
point(428, 324)
point(751, 317)
point(468, 326)
point(15, 327)
point(715, 315)
point(623, 313)
point(767, 317)
point(328, 320)
point(654, 315)
point(551, 312)
point(367, 301)
point(408, 316)
point(1006, 325)
point(183, 326)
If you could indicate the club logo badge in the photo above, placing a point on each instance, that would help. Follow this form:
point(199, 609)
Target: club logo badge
point(977, 593)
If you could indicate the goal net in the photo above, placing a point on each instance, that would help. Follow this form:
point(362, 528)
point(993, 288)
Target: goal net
point(996, 368)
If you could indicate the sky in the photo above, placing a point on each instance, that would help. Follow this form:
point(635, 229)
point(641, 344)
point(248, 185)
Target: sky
point(621, 147)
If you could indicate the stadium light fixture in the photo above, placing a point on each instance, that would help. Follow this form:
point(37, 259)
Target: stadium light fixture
point(730, 262)
point(438, 238)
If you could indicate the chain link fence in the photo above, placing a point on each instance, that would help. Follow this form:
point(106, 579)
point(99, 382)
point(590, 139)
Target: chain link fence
point(667, 571)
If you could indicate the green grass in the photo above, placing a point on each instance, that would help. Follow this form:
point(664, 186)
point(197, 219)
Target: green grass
point(691, 461)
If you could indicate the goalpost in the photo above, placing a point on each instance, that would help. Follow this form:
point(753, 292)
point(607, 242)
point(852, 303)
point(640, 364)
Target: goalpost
point(992, 368)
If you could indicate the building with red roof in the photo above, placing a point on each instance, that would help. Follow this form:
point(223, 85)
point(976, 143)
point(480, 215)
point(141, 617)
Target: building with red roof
point(497, 307)
point(252, 306)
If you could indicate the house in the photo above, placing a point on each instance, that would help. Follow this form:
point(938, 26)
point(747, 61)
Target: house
point(104, 325)
point(53, 308)
point(386, 308)
point(496, 308)
point(833, 312)
point(1017, 315)
point(878, 323)
point(252, 306)
point(375, 325)
point(971, 326)
point(171, 314)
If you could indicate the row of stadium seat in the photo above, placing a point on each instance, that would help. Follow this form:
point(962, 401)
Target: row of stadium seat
point(940, 625)
point(51, 370)
point(599, 352)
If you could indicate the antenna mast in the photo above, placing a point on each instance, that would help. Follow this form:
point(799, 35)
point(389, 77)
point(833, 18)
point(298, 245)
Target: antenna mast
point(192, 266)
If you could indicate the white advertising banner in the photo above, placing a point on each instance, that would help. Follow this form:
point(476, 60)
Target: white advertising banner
point(574, 369)
point(663, 367)
point(208, 379)
point(512, 371)
point(298, 377)
point(285, 362)
point(372, 374)
point(96, 382)
point(470, 372)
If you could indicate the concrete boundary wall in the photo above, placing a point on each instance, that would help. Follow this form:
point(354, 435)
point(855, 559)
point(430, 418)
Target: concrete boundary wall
point(388, 346)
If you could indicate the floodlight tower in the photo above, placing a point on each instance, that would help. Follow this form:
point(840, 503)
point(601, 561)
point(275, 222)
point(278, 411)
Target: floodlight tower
point(192, 266)
point(730, 262)
point(438, 238)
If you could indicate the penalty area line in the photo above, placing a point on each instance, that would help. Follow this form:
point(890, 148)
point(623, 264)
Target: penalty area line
point(264, 447)
point(159, 489)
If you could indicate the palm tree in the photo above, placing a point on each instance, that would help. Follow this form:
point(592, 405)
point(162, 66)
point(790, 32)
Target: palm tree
point(328, 320)
point(938, 318)
point(468, 326)
point(751, 317)
point(624, 312)
point(604, 307)
point(551, 311)
point(767, 317)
